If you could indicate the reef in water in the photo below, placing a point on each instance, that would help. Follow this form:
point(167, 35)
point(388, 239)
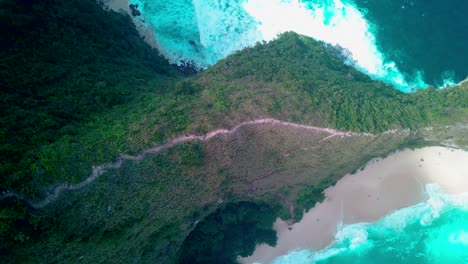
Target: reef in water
point(206, 31)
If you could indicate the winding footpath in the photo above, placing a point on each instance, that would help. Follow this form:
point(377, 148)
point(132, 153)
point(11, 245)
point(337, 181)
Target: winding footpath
point(101, 169)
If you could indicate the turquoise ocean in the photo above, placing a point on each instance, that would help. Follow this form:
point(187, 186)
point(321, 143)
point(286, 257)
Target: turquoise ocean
point(432, 232)
point(407, 43)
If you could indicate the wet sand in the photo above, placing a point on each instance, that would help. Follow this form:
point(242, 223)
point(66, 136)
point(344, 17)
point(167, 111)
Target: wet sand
point(385, 185)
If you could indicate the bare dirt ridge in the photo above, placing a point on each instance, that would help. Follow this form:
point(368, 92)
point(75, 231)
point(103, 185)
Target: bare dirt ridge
point(101, 169)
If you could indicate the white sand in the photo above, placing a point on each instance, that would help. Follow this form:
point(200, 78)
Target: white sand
point(385, 185)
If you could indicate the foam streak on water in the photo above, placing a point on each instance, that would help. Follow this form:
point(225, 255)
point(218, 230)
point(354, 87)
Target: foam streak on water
point(336, 23)
point(435, 231)
point(206, 31)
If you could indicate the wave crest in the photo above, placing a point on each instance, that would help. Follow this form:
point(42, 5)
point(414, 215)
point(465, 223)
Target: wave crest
point(435, 231)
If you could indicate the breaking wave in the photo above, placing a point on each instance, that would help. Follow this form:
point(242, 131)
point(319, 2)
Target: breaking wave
point(203, 32)
point(435, 231)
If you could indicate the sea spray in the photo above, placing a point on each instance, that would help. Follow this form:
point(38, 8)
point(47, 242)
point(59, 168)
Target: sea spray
point(206, 31)
point(435, 231)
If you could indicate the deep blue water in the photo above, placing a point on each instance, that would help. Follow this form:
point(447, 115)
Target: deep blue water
point(422, 35)
point(410, 44)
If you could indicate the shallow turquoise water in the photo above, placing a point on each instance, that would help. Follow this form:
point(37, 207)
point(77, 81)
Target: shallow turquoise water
point(410, 44)
point(435, 231)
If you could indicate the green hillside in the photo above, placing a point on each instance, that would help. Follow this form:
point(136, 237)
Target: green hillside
point(62, 62)
point(80, 88)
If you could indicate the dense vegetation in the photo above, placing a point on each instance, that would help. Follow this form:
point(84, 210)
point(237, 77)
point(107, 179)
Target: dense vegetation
point(63, 107)
point(217, 238)
point(348, 98)
point(79, 87)
point(61, 62)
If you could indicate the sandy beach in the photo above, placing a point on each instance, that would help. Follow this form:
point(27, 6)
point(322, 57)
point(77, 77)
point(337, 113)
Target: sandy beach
point(385, 185)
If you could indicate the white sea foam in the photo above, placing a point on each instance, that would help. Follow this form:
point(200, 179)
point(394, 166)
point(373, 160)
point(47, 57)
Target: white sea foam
point(333, 22)
point(295, 257)
point(223, 28)
point(439, 201)
point(354, 235)
point(206, 31)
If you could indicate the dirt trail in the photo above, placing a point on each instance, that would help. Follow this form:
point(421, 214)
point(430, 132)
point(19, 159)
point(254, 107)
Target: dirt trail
point(101, 169)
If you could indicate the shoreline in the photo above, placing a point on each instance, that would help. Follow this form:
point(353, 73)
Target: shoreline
point(139, 22)
point(462, 82)
point(369, 195)
point(118, 4)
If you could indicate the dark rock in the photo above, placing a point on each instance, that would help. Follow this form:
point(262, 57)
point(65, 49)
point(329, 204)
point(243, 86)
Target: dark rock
point(134, 9)
point(187, 67)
